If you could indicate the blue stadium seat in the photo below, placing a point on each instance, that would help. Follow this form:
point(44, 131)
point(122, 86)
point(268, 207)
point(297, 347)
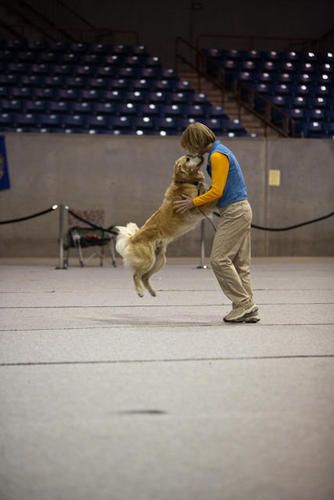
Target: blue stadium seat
point(181, 98)
point(123, 124)
point(45, 93)
point(48, 57)
point(145, 123)
point(36, 106)
point(151, 109)
point(82, 107)
point(116, 96)
point(60, 107)
point(129, 109)
point(98, 122)
point(27, 121)
point(99, 48)
point(68, 94)
point(318, 102)
point(89, 95)
point(8, 80)
point(74, 122)
point(137, 96)
point(168, 123)
point(83, 70)
point(105, 72)
point(26, 56)
point(20, 92)
point(128, 72)
point(7, 106)
point(215, 124)
point(52, 81)
point(158, 97)
point(199, 111)
point(50, 121)
point(97, 83)
point(57, 69)
point(17, 68)
point(314, 130)
point(217, 112)
point(77, 82)
point(299, 101)
point(164, 85)
point(91, 59)
point(119, 84)
point(182, 86)
point(105, 108)
point(6, 121)
point(200, 98)
point(174, 110)
point(329, 129)
point(142, 84)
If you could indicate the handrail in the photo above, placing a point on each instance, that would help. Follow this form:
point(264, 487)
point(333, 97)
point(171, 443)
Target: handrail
point(251, 39)
point(289, 127)
point(220, 84)
point(74, 34)
point(11, 29)
point(19, 14)
point(76, 14)
point(45, 19)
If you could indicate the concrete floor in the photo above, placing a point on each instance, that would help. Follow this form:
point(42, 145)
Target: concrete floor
point(105, 396)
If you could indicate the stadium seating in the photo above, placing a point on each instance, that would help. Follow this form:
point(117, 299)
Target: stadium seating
point(97, 88)
point(299, 85)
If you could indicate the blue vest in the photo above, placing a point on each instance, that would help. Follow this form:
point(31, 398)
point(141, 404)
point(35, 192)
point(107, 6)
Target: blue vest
point(235, 187)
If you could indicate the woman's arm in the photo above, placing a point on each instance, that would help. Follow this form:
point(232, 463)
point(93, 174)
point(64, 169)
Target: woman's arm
point(219, 171)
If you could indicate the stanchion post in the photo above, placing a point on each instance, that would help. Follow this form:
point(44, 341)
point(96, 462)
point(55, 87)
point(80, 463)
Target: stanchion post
point(202, 247)
point(61, 236)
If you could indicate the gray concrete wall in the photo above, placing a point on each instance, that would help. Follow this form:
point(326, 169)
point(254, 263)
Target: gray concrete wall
point(127, 177)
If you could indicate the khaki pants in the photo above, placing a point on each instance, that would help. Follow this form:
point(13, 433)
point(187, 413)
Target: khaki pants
point(231, 253)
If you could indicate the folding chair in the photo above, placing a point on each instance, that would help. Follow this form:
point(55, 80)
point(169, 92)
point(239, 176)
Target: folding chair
point(84, 236)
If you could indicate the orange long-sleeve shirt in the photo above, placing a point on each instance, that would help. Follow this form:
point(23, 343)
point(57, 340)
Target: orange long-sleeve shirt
point(219, 171)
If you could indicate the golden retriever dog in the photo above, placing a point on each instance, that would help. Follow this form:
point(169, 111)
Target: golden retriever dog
point(144, 249)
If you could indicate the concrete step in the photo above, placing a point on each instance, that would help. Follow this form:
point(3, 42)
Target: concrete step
point(228, 102)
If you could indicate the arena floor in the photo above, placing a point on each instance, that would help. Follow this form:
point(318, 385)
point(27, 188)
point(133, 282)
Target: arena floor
point(106, 396)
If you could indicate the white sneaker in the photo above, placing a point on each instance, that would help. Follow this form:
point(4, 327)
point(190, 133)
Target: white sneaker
point(240, 313)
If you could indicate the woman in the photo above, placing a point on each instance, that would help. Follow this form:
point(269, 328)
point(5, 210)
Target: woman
point(231, 250)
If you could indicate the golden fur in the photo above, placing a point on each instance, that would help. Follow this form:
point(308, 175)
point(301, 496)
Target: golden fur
point(144, 249)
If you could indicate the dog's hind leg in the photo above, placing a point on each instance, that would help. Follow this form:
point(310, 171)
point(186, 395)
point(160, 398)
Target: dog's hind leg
point(160, 261)
point(138, 284)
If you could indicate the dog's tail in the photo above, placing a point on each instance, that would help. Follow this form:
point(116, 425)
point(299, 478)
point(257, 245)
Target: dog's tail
point(123, 239)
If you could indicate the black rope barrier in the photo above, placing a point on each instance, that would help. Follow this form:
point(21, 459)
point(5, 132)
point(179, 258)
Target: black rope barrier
point(110, 229)
point(38, 214)
point(113, 231)
point(287, 228)
point(295, 226)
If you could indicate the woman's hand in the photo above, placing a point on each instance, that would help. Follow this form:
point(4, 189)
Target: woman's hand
point(184, 205)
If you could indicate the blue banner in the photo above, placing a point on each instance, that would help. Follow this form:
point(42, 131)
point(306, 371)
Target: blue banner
point(4, 176)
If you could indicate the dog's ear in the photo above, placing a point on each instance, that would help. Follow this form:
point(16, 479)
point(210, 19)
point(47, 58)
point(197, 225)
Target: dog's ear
point(179, 168)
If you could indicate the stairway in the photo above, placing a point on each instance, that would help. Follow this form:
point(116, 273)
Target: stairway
point(252, 124)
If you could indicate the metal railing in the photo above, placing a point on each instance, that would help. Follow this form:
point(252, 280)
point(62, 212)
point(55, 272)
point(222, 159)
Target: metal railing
point(51, 30)
point(245, 97)
point(253, 42)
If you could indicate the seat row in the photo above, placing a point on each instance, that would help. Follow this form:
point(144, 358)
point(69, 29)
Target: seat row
point(113, 109)
point(37, 46)
point(106, 83)
point(110, 124)
point(276, 66)
point(268, 55)
point(94, 95)
point(279, 78)
point(309, 90)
